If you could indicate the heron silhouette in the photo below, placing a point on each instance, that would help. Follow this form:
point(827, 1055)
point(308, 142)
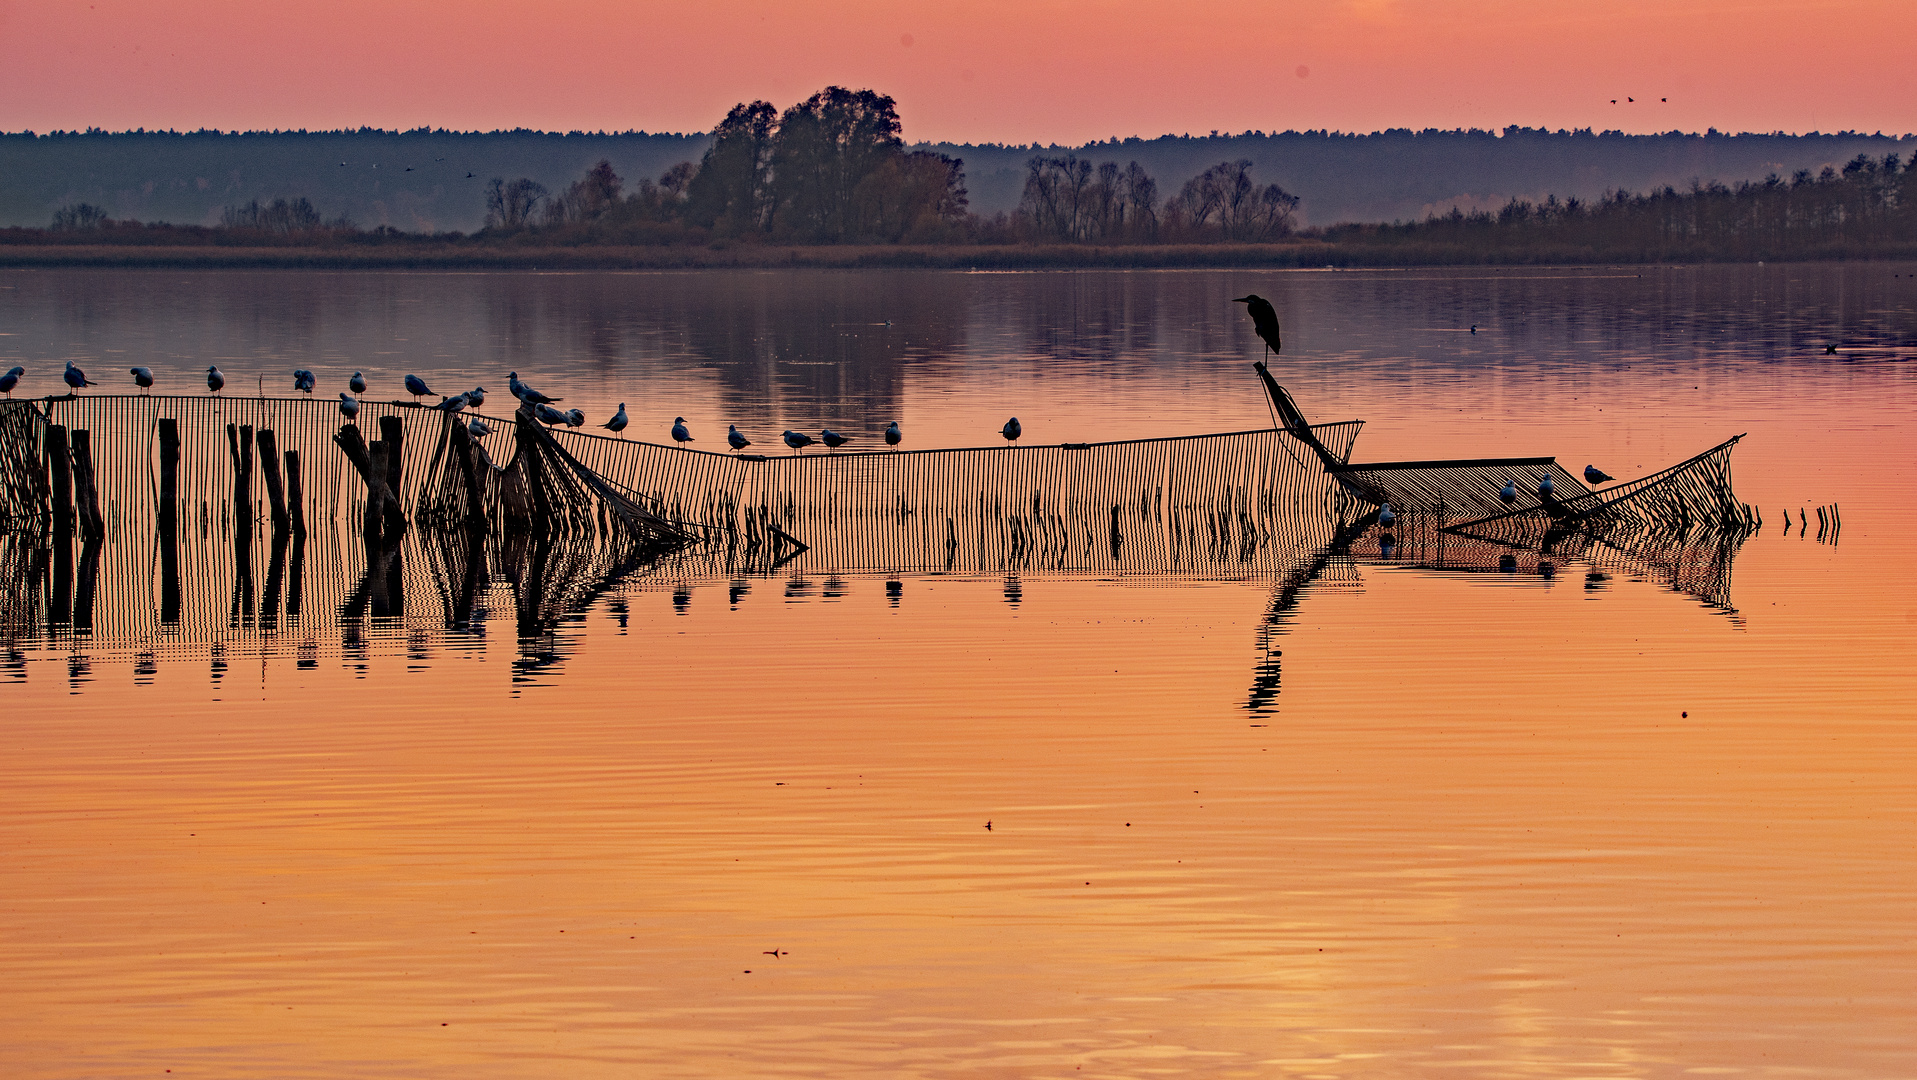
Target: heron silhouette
point(1264, 318)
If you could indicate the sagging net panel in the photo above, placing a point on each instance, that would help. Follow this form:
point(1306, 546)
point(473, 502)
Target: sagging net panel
point(23, 471)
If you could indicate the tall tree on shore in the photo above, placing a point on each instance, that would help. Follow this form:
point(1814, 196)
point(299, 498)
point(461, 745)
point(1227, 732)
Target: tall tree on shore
point(731, 192)
point(827, 146)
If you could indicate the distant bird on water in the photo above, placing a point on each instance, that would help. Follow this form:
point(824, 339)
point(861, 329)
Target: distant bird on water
point(832, 439)
point(348, 406)
point(618, 422)
point(417, 386)
point(575, 418)
point(736, 440)
point(1594, 475)
point(893, 436)
point(76, 378)
point(11, 379)
point(1011, 430)
point(548, 415)
point(357, 384)
point(215, 379)
point(1510, 492)
point(478, 428)
point(1264, 319)
point(795, 440)
point(304, 380)
point(142, 378)
point(526, 393)
point(680, 432)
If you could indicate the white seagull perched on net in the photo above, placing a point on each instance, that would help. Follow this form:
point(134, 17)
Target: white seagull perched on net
point(795, 440)
point(1510, 492)
point(476, 396)
point(526, 393)
point(680, 432)
point(452, 404)
point(478, 428)
point(832, 439)
point(348, 406)
point(575, 418)
point(1011, 430)
point(11, 379)
point(893, 436)
point(736, 440)
point(357, 384)
point(547, 414)
point(1595, 476)
point(417, 386)
point(1385, 516)
point(215, 379)
point(76, 378)
point(618, 422)
point(304, 380)
point(142, 378)
point(1545, 486)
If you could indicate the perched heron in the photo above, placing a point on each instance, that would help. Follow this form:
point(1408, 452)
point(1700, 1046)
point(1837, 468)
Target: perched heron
point(575, 418)
point(526, 393)
point(1594, 475)
point(1545, 486)
point(477, 396)
point(893, 436)
point(142, 378)
point(1011, 430)
point(832, 439)
point(1264, 318)
point(11, 379)
point(76, 378)
point(795, 440)
point(215, 379)
point(736, 440)
point(348, 406)
point(417, 386)
point(478, 428)
point(1510, 492)
point(618, 422)
point(548, 415)
point(304, 380)
point(357, 384)
point(680, 432)
point(1385, 516)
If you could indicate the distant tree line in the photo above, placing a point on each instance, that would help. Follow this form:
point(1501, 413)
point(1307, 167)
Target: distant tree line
point(1868, 207)
point(1068, 200)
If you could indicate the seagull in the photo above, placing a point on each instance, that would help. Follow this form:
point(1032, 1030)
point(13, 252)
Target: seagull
point(215, 379)
point(547, 414)
point(416, 386)
point(304, 380)
point(452, 404)
point(1011, 430)
point(1545, 487)
point(618, 422)
point(796, 441)
point(348, 406)
point(476, 396)
point(832, 439)
point(1510, 492)
point(575, 418)
point(76, 378)
point(142, 378)
point(357, 384)
point(11, 379)
point(1385, 516)
point(1594, 475)
point(478, 428)
point(893, 436)
point(737, 441)
point(526, 393)
point(1264, 318)
point(680, 432)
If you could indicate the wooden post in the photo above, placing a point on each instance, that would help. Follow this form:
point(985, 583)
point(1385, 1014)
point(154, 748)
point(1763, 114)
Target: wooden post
point(239, 445)
point(86, 490)
point(372, 465)
point(378, 456)
point(270, 468)
point(169, 476)
point(87, 586)
point(60, 466)
point(466, 455)
point(514, 503)
point(394, 433)
point(295, 493)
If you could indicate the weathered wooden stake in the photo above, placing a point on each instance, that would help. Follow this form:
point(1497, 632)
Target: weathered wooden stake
point(239, 445)
point(86, 490)
point(270, 468)
point(378, 456)
point(169, 475)
point(391, 430)
point(60, 467)
point(466, 455)
point(295, 493)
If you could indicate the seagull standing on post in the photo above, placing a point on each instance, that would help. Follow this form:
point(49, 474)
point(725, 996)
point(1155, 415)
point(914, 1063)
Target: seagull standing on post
point(1011, 430)
point(680, 432)
point(416, 386)
point(142, 378)
point(452, 404)
point(76, 378)
point(11, 379)
point(1264, 318)
point(618, 422)
point(215, 379)
point(736, 440)
point(893, 436)
point(348, 406)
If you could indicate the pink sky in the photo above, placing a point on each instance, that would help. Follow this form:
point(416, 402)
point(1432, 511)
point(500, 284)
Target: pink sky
point(1045, 70)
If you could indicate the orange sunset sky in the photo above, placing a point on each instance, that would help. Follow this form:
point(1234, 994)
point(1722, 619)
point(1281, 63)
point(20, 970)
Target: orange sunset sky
point(1002, 71)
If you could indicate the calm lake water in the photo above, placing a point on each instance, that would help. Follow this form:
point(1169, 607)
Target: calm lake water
point(1605, 818)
